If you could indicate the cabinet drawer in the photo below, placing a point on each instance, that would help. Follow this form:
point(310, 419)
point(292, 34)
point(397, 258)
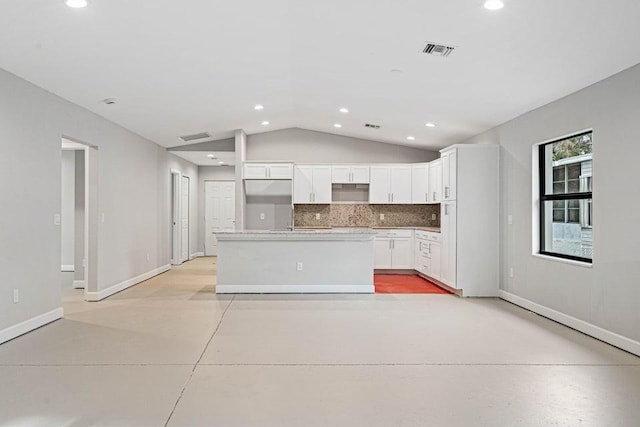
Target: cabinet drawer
point(395, 233)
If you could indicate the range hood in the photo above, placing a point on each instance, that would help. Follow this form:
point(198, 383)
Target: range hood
point(268, 187)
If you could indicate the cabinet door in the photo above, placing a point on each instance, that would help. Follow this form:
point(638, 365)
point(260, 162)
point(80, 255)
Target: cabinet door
point(380, 185)
point(340, 174)
point(435, 181)
point(360, 174)
point(402, 253)
point(401, 184)
point(425, 264)
point(280, 171)
point(420, 184)
point(302, 184)
point(417, 256)
point(382, 252)
point(435, 259)
point(321, 184)
point(255, 171)
point(449, 243)
point(449, 174)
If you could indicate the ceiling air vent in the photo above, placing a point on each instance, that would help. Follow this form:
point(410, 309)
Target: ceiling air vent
point(369, 125)
point(438, 49)
point(194, 137)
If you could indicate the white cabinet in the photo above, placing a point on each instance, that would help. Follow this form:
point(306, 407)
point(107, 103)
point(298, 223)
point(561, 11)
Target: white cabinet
point(420, 183)
point(435, 181)
point(390, 184)
point(350, 174)
point(448, 225)
point(469, 219)
point(449, 173)
point(427, 253)
point(393, 249)
point(312, 184)
point(268, 171)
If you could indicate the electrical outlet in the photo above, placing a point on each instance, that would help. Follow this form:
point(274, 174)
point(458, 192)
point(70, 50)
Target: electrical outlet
point(317, 216)
point(381, 217)
point(16, 296)
point(148, 257)
point(511, 272)
point(433, 216)
point(102, 217)
point(510, 219)
point(56, 219)
point(261, 215)
point(299, 266)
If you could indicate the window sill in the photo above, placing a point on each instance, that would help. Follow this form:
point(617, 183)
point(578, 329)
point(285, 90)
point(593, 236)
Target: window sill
point(565, 261)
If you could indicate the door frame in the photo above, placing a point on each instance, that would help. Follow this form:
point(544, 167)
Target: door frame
point(174, 220)
point(90, 244)
point(188, 218)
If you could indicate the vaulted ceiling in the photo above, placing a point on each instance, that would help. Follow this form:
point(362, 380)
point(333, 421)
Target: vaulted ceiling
point(188, 66)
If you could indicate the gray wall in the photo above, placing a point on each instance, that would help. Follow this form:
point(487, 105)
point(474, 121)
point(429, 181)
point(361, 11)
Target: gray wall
point(307, 146)
point(133, 195)
point(606, 295)
point(67, 207)
point(209, 173)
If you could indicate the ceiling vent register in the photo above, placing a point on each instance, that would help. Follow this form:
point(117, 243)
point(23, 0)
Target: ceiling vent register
point(438, 49)
point(194, 137)
point(369, 125)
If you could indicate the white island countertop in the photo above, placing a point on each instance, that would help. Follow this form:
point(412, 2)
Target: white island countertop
point(356, 233)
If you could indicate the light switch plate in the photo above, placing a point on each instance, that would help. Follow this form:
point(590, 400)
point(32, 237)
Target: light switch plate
point(433, 216)
point(317, 216)
point(381, 217)
point(56, 219)
point(261, 215)
point(510, 219)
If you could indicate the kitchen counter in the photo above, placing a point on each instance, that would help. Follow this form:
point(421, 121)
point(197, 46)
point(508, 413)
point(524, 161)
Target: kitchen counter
point(336, 260)
point(430, 229)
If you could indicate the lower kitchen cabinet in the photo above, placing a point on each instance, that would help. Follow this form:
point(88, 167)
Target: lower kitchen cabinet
point(427, 253)
point(393, 249)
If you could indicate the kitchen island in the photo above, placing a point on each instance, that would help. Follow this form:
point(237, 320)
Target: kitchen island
point(296, 261)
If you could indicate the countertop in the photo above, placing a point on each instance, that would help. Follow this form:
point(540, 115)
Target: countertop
point(430, 229)
point(347, 233)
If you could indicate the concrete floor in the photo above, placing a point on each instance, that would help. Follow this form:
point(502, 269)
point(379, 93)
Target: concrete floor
point(171, 352)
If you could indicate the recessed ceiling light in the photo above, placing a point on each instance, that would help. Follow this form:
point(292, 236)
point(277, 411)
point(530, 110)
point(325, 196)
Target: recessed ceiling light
point(265, 123)
point(344, 110)
point(411, 138)
point(430, 125)
point(76, 3)
point(493, 4)
point(337, 125)
point(221, 163)
point(211, 156)
point(258, 107)
point(396, 71)
point(109, 101)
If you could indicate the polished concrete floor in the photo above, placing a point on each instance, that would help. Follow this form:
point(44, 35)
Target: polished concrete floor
point(171, 352)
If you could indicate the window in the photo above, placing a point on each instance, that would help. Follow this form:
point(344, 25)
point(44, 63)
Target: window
point(566, 202)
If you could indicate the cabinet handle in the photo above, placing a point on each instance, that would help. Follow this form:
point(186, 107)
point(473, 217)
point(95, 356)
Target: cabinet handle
point(268, 173)
point(429, 248)
point(393, 244)
point(446, 192)
point(389, 243)
point(391, 197)
point(434, 196)
point(350, 176)
point(426, 197)
point(446, 209)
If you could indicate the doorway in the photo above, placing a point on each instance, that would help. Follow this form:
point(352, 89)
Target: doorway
point(180, 224)
point(219, 212)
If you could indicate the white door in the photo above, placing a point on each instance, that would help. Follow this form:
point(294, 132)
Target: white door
point(382, 253)
point(401, 184)
point(302, 184)
point(322, 184)
point(219, 212)
point(184, 219)
point(402, 253)
point(380, 184)
point(420, 184)
point(175, 218)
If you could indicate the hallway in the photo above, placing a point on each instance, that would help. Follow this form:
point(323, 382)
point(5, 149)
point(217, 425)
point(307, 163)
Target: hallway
point(170, 351)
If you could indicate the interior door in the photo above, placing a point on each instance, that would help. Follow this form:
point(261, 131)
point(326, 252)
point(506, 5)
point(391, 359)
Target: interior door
point(184, 219)
point(219, 211)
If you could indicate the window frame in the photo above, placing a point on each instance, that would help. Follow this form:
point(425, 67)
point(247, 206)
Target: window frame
point(542, 198)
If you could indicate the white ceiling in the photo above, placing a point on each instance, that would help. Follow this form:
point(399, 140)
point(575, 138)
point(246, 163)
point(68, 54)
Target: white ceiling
point(183, 67)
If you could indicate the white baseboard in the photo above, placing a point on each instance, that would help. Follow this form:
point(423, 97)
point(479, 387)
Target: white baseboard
point(295, 289)
point(580, 325)
point(100, 295)
point(29, 325)
point(68, 268)
point(78, 284)
point(196, 255)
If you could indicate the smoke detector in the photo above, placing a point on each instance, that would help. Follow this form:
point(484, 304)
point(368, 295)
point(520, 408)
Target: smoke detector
point(195, 137)
point(438, 49)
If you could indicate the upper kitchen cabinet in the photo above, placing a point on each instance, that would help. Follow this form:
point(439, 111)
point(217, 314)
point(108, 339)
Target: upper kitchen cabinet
point(268, 171)
point(420, 184)
point(390, 184)
point(449, 159)
point(469, 221)
point(312, 184)
point(435, 181)
point(350, 174)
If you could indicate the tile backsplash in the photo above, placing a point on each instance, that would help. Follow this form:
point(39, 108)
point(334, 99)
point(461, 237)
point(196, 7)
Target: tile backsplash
point(365, 215)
